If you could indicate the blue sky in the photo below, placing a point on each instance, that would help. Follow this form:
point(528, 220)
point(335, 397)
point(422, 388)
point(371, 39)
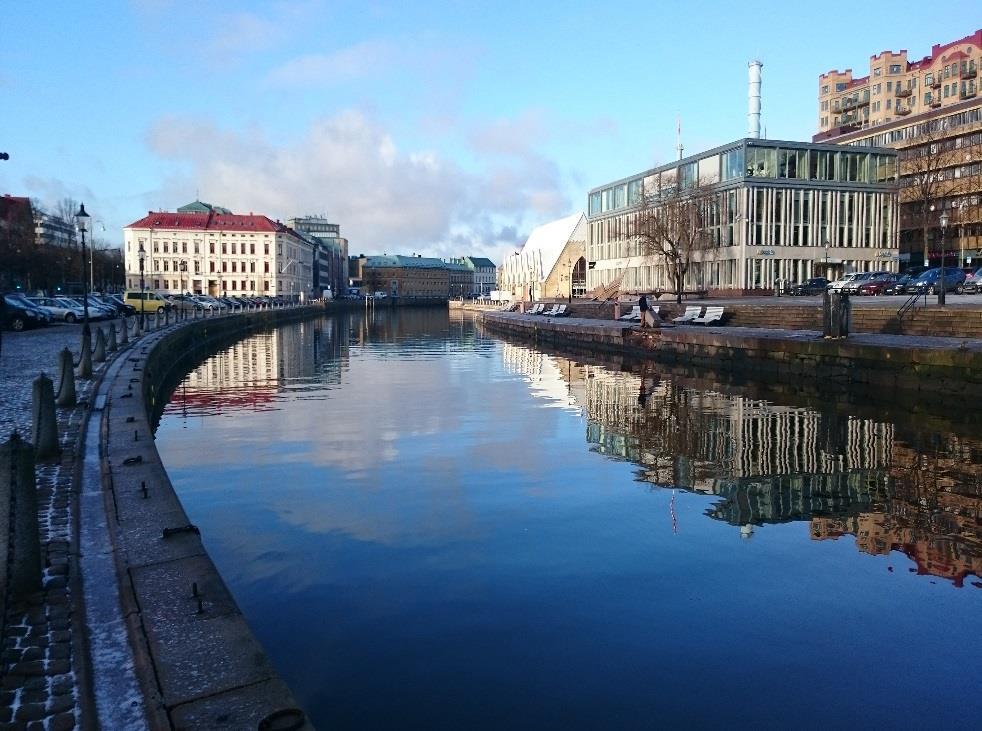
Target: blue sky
point(434, 127)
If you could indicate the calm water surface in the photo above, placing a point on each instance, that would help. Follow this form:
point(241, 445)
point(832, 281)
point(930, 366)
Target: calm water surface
point(428, 527)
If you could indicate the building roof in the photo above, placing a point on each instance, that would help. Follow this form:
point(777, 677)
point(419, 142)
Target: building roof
point(409, 262)
point(202, 207)
point(545, 245)
point(212, 222)
point(479, 261)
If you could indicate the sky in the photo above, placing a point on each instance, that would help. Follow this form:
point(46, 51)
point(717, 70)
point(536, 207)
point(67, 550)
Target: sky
point(439, 128)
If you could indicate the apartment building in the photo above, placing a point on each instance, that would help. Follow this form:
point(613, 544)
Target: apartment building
point(402, 276)
point(217, 254)
point(330, 253)
point(929, 109)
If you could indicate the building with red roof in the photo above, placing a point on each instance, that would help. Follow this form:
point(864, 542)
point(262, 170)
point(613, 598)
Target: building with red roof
point(215, 252)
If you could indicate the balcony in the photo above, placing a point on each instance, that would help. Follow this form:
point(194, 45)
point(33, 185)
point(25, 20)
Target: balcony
point(967, 93)
point(935, 104)
point(970, 71)
point(903, 91)
point(902, 111)
point(936, 82)
point(849, 102)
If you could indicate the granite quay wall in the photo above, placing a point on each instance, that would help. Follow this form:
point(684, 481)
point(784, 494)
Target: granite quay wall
point(947, 368)
point(198, 664)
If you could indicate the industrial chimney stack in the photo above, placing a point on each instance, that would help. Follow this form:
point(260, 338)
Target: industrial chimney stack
point(753, 100)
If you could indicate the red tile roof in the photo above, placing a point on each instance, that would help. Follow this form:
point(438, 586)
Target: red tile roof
point(208, 221)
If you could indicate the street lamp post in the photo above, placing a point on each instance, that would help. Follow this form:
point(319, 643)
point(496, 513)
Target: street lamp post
point(941, 283)
point(183, 269)
point(85, 360)
point(142, 255)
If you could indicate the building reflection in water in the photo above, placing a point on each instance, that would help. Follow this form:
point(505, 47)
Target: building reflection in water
point(251, 373)
point(892, 486)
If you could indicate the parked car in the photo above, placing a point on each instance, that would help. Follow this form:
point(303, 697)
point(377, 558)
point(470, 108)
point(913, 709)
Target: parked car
point(97, 311)
point(184, 302)
point(146, 301)
point(59, 309)
point(815, 285)
point(208, 302)
point(973, 281)
point(838, 284)
point(931, 281)
point(877, 285)
point(19, 313)
point(122, 309)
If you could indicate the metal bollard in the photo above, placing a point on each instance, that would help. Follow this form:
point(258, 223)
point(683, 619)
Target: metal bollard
point(99, 356)
point(125, 332)
point(20, 542)
point(85, 358)
point(111, 345)
point(66, 388)
point(45, 421)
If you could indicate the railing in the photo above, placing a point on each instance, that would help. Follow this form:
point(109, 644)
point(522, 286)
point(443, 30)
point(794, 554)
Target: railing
point(904, 91)
point(910, 304)
point(902, 111)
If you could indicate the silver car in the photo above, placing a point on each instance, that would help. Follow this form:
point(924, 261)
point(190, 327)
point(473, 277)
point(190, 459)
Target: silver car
point(59, 309)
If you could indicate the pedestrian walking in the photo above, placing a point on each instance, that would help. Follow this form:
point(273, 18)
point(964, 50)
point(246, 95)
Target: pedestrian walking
point(643, 306)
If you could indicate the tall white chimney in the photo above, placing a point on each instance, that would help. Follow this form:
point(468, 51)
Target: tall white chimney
point(753, 100)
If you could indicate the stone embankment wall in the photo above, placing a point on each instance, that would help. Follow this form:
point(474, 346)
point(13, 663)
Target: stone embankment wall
point(879, 362)
point(789, 313)
point(198, 662)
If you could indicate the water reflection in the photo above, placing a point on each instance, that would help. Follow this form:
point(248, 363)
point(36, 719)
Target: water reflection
point(428, 527)
point(912, 491)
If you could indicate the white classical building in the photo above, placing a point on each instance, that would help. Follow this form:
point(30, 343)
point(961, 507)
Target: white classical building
point(218, 253)
point(551, 264)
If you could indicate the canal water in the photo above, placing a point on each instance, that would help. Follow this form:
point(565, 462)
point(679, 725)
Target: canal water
point(430, 527)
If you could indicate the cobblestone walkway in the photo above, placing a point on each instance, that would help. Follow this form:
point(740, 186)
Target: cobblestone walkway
point(39, 664)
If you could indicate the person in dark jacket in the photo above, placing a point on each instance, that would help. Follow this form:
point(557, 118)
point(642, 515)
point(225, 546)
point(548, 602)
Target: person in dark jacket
point(643, 306)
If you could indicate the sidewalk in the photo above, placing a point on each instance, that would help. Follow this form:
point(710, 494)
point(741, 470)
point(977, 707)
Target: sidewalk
point(40, 665)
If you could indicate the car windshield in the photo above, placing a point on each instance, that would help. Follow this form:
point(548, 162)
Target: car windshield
point(18, 299)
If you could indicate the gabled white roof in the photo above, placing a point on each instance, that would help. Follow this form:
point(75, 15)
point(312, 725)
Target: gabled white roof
point(546, 243)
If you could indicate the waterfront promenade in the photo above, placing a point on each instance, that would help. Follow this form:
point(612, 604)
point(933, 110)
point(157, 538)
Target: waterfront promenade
point(47, 677)
point(82, 651)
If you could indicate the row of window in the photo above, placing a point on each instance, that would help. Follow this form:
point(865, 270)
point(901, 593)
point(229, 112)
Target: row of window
point(967, 117)
point(963, 69)
point(757, 162)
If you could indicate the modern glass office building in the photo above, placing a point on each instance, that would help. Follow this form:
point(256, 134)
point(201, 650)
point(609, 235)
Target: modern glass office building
point(774, 212)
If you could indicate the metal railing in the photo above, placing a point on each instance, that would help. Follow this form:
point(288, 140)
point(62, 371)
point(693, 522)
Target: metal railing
point(910, 304)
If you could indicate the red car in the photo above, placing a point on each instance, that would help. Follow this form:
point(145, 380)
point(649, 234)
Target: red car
point(876, 286)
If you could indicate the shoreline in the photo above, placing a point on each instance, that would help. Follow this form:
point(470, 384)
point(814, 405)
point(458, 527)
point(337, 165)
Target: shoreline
point(946, 368)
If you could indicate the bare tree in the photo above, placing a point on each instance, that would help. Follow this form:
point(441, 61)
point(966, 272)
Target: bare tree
point(65, 209)
point(671, 225)
point(928, 171)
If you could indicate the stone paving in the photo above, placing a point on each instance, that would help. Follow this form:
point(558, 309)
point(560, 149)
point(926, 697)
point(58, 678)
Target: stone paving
point(40, 663)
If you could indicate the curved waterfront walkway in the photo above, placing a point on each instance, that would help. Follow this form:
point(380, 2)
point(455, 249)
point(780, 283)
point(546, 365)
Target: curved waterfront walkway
point(133, 627)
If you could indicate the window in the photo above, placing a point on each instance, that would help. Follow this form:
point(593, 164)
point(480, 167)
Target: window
point(895, 68)
point(252, 247)
point(211, 247)
point(889, 101)
point(825, 105)
point(233, 246)
point(224, 248)
point(825, 89)
point(877, 71)
point(196, 247)
point(876, 88)
point(889, 86)
point(841, 86)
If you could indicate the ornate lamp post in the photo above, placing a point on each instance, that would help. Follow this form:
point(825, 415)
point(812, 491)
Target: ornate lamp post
point(184, 271)
point(85, 361)
point(142, 254)
point(941, 282)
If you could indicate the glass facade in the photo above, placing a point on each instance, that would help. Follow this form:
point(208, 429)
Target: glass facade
point(753, 159)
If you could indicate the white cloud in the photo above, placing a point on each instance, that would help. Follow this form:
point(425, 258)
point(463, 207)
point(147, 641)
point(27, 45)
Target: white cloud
point(368, 58)
point(385, 198)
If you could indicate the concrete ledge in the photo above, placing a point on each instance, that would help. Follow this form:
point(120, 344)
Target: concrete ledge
point(951, 367)
point(198, 662)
